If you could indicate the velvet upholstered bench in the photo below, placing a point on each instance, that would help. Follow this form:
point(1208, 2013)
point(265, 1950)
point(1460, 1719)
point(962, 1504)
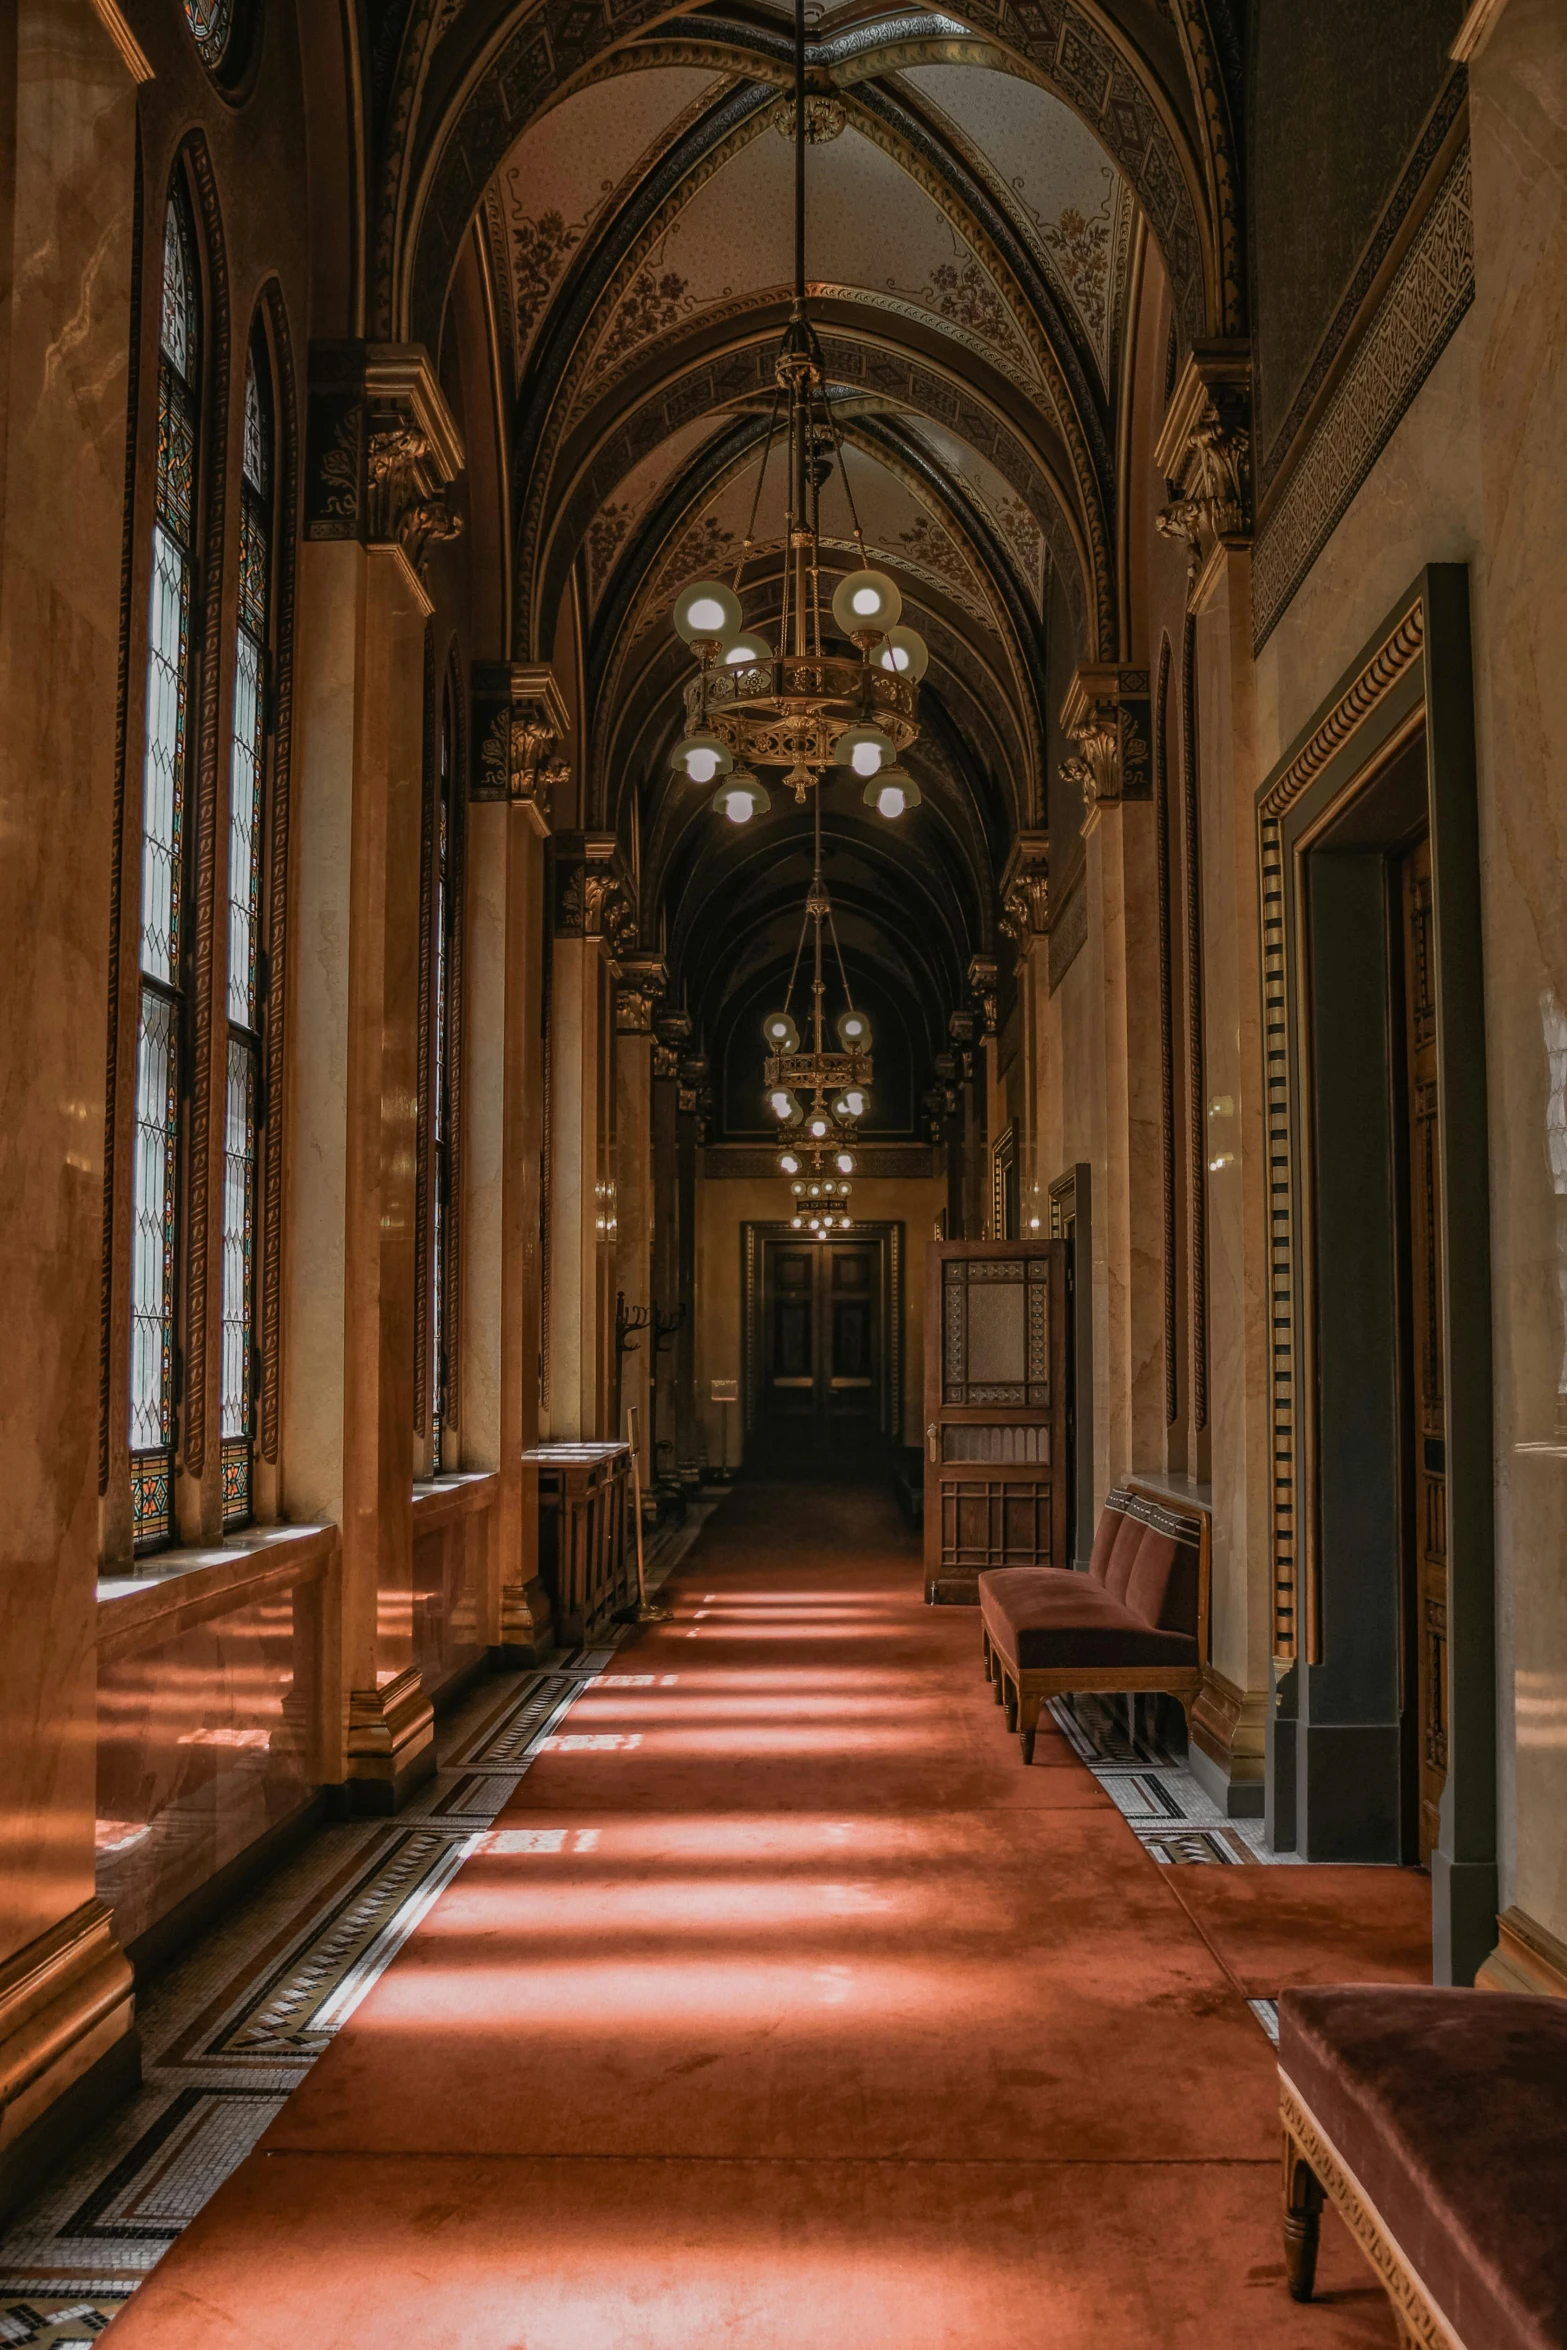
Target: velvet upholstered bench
point(1435, 2123)
point(1137, 1620)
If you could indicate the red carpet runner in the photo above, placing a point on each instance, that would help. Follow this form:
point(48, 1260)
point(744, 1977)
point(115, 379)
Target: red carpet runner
point(785, 2008)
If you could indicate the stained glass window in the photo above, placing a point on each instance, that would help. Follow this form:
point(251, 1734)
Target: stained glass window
point(155, 1179)
point(212, 28)
point(247, 776)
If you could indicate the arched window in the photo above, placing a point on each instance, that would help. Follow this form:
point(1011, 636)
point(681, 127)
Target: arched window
point(246, 959)
point(211, 28)
point(161, 1013)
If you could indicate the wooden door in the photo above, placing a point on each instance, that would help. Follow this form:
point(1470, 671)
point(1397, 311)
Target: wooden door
point(823, 1367)
point(1427, 1416)
point(996, 1472)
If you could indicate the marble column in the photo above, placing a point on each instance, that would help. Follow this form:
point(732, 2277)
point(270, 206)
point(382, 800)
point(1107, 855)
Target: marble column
point(517, 721)
point(689, 1106)
point(588, 891)
point(1230, 1725)
point(672, 1031)
point(67, 166)
point(642, 980)
point(349, 1378)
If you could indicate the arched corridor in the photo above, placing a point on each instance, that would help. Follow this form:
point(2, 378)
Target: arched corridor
point(783, 821)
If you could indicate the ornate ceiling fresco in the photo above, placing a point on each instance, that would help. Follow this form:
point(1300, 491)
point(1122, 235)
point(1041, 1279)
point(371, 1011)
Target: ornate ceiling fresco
point(977, 187)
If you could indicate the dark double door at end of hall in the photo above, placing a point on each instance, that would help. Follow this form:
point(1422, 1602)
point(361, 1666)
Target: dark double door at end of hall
point(823, 1370)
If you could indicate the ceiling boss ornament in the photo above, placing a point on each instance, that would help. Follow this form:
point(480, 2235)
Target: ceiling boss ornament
point(802, 708)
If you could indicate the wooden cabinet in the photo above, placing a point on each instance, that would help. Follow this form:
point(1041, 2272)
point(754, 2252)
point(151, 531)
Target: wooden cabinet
point(586, 1559)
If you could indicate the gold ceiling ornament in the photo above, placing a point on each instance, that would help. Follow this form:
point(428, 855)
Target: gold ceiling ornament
point(802, 708)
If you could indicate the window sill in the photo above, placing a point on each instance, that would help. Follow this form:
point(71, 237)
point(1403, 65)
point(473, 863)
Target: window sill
point(174, 1589)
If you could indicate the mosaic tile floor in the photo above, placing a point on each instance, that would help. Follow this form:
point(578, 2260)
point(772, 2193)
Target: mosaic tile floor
point(235, 2025)
point(1168, 1810)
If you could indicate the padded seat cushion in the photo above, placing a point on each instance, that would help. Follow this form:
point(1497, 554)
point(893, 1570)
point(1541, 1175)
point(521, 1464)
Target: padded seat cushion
point(1051, 1616)
point(1450, 2107)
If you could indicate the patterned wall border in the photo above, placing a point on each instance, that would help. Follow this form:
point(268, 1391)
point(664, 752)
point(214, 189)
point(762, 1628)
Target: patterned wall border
point(1404, 645)
point(1430, 293)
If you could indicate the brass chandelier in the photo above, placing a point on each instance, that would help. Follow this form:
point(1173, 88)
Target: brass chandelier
point(819, 1130)
point(802, 708)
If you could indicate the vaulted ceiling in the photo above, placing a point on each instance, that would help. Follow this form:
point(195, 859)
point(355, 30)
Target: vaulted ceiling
point(975, 191)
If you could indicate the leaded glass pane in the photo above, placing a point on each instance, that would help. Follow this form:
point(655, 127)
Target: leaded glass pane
point(245, 831)
point(152, 1226)
point(257, 452)
point(212, 25)
point(239, 1218)
point(176, 455)
point(163, 782)
point(177, 334)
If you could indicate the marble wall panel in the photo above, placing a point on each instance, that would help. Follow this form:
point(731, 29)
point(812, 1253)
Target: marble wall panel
point(205, 1741)
point(450, 1565)
point(1518, 100)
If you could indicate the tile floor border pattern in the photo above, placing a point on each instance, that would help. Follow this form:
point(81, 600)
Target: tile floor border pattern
point(236, 2023)
point(1170, 1813)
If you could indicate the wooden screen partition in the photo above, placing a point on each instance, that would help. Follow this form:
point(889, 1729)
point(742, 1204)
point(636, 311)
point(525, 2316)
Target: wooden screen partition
point(996, 1472)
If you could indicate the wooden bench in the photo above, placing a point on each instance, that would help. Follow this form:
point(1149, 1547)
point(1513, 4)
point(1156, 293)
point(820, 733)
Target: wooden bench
point(1435, 2123)
point(1137, 1620)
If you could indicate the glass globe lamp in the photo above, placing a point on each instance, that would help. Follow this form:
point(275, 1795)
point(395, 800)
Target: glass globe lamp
point(740, 797)
point(784, 1106)
point(707, 613)
point(701, 758)
point(780, 1033)
point(854, 1032)
point(892, 792)
point(844, 1163)
point(864, 749)
point(905, 652)
point(746, 650)
point(867, 603)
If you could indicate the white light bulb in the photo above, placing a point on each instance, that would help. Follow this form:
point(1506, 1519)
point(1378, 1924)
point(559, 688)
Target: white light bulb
point(865, 759)
point(780, 1103)
point(889, 800)
point(856, 1102)
point(701, 764)
point(706, 616)
point(895, 657)
point(845, 1164)
point(867, 600)
point(737, 807)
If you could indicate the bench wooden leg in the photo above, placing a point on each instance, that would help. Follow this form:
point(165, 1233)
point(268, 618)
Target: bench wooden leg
point(1027, 1724)
point(1009, 1699)
point(1302, 2220)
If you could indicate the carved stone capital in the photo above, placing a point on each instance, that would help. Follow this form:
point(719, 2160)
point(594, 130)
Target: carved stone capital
point(382, 449)
point(643, 979)
point(1025, 892)
point(592, 896)
point(983, 978)
point(1204, 450)
point(1106, 714)
point(519, 717)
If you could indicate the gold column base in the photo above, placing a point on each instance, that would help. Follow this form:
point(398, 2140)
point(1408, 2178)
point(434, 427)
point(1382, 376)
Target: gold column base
point(391, 1742)
point(1526, 1958)
point(66, 2001)
point(1230, 1726)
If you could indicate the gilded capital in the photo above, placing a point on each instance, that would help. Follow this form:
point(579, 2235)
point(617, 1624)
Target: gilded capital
point(1025, 893)
point(1204, 450)
point(1106, 715)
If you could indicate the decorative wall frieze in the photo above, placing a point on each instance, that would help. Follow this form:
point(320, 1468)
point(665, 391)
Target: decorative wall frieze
point(519, 721)
point(382, 449)
point(642, 980)
point(592, 895)
point(1025, 893)
point(1204, 451)
point(1106, 713)
point(1411, 328)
